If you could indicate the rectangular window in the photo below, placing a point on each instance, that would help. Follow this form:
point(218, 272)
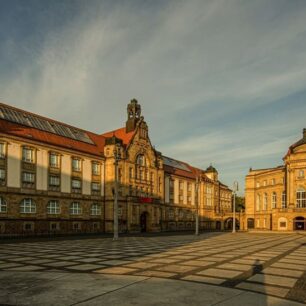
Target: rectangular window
point(3, 205)
point(208, 201)
point(181, 185)
point(95, 186)
point(189, 187)
point(76, 164)
point(75, 208)
point(95, 210)
point(273, 182)
point(130, 173)
point(265, 183)
point(54, 160)
point(54, 226)
point(54, 180)
point(2, 150)
point(95, 168)
point(76, 184)
point(27, 206)
point(273, 200)
point(2, 175)
point(53, 208)
point(28, 226)
point(28, 177)
point(141, 174)
point(284, 204)
point(28, 155)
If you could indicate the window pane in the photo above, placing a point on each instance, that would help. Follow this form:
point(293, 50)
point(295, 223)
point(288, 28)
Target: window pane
point(76, 164)
point(27, 155)
point(3, 206)
point(2, 174)
point(2, 150)
point(27, 206)
point(76, 184)
point(54, 160)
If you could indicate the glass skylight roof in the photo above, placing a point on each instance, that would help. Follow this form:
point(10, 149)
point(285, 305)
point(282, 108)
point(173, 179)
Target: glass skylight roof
point(37, 122)
point(175, 164)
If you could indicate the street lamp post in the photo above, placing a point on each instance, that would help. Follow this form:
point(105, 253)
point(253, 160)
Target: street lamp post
point(235, 189)
point(197, 207)
point(117, 157)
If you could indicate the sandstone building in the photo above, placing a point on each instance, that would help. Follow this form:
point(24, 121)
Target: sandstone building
point(55, 178)
point(276, 197)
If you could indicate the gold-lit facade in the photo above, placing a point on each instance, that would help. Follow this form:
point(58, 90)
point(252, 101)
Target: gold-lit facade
point(276, 197)
point(59, 179)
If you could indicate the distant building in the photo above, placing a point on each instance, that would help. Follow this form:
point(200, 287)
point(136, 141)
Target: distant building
point(276, 197)
point(55, 178)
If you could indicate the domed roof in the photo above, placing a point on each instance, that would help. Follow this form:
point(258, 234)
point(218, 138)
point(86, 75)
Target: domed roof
point(211, 169)
point(300, 142)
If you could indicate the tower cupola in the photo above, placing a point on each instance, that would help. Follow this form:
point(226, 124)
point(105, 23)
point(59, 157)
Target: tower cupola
point(133, 115)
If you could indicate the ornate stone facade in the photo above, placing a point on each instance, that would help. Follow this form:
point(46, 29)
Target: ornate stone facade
point(55, 178)
point(276, 197)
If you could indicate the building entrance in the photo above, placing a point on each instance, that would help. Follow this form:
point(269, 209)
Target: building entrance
point(299, 223)
point(143, 222)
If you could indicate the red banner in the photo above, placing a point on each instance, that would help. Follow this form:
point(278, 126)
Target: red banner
point(145, 200)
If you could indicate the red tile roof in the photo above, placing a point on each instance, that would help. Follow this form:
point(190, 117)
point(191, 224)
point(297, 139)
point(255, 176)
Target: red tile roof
point(121, 134)
point(30, 133)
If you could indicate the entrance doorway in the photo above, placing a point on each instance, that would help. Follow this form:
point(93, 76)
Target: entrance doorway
point(299, 223)
point(228, 224)
point(250, 223)
point(143, 222)
point(218, 225)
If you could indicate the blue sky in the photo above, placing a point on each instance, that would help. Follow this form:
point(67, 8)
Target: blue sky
point(221, 82)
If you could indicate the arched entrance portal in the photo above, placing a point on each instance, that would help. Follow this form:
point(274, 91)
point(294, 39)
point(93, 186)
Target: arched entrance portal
point(228, 224)
point(299, 224)
point(144, 222)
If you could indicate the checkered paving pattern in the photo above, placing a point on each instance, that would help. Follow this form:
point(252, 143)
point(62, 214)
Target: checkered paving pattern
point(273, 264)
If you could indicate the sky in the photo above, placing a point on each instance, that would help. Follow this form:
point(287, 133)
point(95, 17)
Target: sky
point(220, 82)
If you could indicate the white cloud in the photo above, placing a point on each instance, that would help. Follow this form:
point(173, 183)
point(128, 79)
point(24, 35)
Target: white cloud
point(219, 58)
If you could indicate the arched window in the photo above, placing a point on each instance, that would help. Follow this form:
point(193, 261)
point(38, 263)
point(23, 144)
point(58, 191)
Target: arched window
point(3, 205)
point(75, 208)
point(141, 170)
point(27, 206)
point(265, 202)
point(95, 209)
point(258, 202)
point(140, 160)
point(273, 200)
point(53, 207)
point(301, 198)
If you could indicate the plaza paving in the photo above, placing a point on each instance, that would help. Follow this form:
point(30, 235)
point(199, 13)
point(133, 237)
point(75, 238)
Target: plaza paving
point(211, 269)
